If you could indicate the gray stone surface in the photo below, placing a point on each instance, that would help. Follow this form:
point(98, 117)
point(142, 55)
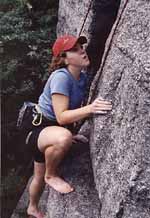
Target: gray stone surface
point(71, 15)
point(120, 141)
point(83, 202)
point(97, 26)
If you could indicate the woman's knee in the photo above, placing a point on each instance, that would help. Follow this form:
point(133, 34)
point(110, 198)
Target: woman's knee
point(58, 136)
point(65, 139)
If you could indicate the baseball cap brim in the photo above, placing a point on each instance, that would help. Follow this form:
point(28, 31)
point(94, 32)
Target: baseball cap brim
point(73, 41)
point(67, 42)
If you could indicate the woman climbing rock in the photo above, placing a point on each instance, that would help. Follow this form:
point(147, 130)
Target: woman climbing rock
point(60, 103)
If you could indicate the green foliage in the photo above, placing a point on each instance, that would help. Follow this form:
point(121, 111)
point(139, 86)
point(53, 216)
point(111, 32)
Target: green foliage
point(7, 70)
point(9, 4)
point(36, 33)
point(16, 26)
point(11, 26)
point(26, 39)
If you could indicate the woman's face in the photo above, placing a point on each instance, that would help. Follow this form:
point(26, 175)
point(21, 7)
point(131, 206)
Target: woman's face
point(77, 57)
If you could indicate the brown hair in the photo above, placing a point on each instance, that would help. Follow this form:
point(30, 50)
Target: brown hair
point(57, 62)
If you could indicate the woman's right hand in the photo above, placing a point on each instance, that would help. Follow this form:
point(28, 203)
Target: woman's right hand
point(100, 106)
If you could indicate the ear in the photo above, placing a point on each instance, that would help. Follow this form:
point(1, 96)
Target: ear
point(66, 61)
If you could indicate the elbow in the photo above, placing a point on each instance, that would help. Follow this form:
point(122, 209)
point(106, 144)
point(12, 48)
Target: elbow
point(62, 121)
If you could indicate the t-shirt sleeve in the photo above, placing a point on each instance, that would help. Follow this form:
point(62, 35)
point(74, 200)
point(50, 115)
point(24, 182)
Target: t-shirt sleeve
point(60, 83)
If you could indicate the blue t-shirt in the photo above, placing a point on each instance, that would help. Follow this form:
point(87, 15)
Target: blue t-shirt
point(61, 81)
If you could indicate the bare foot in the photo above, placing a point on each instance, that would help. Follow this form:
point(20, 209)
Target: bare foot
point(58, 184)
point(34, 213)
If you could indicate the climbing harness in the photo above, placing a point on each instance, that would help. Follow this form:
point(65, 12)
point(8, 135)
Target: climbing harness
point(38, 116)
point(29, 114)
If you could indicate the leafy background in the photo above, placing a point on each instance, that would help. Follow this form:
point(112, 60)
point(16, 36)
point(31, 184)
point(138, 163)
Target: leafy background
point(27, 32)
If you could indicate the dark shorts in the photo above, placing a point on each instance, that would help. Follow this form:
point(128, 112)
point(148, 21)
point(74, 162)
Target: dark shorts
point(33, 139)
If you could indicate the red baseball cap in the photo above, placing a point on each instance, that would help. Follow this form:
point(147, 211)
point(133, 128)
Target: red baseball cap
point(66, 42)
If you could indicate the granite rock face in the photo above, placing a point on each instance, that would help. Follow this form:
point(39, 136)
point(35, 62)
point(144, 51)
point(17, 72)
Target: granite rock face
point(71, 16)
point(84, 201)
point(99, 21)
point(119, 141)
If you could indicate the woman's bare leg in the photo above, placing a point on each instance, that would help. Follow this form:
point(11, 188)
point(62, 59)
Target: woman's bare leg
point(53, 156)
point(35, 190)
point(55, 141)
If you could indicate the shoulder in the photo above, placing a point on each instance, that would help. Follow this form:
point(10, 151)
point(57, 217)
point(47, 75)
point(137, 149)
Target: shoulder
point(60, 82)
point(60, 75)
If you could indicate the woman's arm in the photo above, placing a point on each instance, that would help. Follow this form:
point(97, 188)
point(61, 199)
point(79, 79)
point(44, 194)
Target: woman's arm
point(64, 116)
